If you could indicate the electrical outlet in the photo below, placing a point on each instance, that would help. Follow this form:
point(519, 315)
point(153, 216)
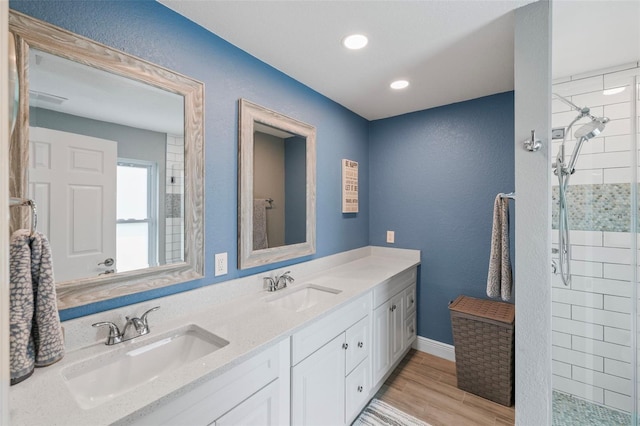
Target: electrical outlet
point(221, 264)
point(391, 237)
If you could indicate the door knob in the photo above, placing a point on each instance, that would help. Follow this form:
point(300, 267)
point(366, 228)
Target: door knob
point(107, 262)
point(345, 346)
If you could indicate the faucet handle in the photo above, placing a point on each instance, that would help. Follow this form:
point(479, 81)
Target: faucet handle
point(271, 283)
point(114, 332)
point(143, 318)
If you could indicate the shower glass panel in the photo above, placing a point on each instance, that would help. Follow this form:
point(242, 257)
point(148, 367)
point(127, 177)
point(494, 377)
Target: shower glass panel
point(594, 324)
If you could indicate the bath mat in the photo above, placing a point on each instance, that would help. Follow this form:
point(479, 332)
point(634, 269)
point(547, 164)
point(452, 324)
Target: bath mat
point(379, 413)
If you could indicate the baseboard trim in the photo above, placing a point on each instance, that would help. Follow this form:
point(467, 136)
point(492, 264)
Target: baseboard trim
point(433, 347)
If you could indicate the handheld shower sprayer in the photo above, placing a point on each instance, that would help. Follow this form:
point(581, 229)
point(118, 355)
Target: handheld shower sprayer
point(564, 170)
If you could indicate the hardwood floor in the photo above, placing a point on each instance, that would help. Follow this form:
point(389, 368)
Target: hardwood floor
point(425, 387)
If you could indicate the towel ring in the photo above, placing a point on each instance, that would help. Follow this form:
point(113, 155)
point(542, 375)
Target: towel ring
point(21, 202)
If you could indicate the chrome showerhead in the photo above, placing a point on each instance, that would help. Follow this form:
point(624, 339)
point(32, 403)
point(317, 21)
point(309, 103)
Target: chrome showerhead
point(592, 128)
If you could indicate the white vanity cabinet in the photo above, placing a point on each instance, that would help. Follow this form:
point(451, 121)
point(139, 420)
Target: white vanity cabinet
point(330, 377)
point(394, 327)
point(254, 392)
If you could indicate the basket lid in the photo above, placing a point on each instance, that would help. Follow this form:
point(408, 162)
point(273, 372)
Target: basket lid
point(490, 309)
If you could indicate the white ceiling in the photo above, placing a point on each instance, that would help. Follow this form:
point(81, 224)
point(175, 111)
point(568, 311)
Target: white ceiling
point(450, 51)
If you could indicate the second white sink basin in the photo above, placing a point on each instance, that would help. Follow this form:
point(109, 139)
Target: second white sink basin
point(302, 297)
point(107, 376)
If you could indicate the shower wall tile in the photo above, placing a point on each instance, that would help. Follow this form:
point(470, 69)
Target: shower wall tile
point(581, 359)
point(618, 111)
point(561, 369)
point(561, 339)
point(602, 286)
point(602, 349)
point(561, 310)
point(587, 238)
point(617, 304)
point(569, 297)
point(601, 254)
point(617, 336)
point(617, 368)
point(606, 381)
point(583, 177)
point(604, 160)
point(598, 316)
point(617, 272)
point(578, 328)
point(617, 239)
point(586, 269)
point(618, 401)
point(597, 98)
point(578, 389)
point(617, 143)
point(583, 85)
point(620, 78)
point(618, 175)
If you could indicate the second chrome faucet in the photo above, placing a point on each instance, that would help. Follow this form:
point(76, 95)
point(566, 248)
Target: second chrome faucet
point(278, 282)
point(116, 336)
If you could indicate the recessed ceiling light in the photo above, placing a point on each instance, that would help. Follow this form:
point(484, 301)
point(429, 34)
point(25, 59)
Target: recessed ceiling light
point(399, 84)
point(613, 91)
point(355, 41)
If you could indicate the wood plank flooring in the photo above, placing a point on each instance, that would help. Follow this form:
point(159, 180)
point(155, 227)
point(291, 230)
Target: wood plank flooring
point(424, 386)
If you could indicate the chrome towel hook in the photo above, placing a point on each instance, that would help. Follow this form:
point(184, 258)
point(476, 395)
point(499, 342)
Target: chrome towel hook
point(532, 144)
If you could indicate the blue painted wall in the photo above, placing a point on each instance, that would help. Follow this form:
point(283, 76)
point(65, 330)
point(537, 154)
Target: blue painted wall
point(433, 178)
point(153, 32)
point(430, 176)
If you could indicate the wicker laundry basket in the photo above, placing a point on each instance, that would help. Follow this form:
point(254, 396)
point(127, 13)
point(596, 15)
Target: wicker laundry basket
point(484, 339)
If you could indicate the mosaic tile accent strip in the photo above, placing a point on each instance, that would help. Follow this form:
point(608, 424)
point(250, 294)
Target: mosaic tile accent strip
point(173, 206)
point(570, 411)
point(599, 207)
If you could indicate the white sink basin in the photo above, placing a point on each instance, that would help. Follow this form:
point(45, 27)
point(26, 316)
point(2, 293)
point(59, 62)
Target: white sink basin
point(100, 379)
point(302, 297)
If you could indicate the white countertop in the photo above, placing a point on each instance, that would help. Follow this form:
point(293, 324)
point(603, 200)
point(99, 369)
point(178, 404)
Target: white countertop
point(247, 322)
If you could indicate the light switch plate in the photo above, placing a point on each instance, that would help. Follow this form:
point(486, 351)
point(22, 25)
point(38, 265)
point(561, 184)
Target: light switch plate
point(221, 264)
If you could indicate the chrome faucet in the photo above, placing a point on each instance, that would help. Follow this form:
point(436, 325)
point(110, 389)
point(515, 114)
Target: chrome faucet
point(278, 282)
point(116, 336)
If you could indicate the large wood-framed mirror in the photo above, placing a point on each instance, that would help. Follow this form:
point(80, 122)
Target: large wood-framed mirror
point(111, 149)
point(276, 187)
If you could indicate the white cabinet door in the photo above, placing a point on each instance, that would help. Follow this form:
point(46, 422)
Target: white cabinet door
point(381, 344)
point(396, 326)
point(317, 386)
point(259, 409)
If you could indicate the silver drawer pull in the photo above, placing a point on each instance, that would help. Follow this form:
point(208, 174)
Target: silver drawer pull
point(360, 344)
point(345, 346)
point(360, 388)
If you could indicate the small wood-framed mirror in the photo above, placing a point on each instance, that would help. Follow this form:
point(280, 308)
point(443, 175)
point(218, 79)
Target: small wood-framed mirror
point(276, 187)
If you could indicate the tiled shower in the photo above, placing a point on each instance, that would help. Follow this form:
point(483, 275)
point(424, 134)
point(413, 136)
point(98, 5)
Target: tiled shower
point(593, 325)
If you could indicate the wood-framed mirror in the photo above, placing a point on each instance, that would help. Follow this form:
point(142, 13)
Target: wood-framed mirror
point(276, 187)
point(110, 147)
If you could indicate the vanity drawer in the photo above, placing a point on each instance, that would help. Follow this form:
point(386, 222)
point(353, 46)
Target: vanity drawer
point(393, 285)
point(313, 337)
point(410, 299)
point(357, 386)
point(358, 340)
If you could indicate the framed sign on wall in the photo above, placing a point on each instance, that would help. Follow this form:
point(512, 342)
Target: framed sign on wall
point(349, 186)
